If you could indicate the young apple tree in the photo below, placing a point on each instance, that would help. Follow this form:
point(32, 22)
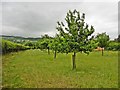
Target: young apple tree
point(103, 40)
point(44, 42)
point(56, 45)
point(75, 35)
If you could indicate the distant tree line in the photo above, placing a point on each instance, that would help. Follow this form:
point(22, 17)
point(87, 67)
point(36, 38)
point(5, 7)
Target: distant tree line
point(117, 39)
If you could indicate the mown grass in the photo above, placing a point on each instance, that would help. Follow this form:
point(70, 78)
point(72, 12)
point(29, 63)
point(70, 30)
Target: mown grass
point(37, 69)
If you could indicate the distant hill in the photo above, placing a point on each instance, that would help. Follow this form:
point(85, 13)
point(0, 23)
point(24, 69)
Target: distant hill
point(19, 38)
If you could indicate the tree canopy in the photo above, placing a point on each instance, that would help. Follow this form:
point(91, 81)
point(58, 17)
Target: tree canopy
point(103, 40)
point(75, 34)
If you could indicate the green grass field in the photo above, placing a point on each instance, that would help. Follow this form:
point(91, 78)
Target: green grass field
point(37, 69)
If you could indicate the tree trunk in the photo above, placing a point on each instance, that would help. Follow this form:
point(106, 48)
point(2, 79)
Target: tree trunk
point(55, 54)
point(48, 51)
point(73, 59)
point(102, 52)
point(5, 48)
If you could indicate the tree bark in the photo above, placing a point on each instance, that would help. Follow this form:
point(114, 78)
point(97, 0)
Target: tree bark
point(73, 59)
point(102, 52)
point(55, 54)
point(48, 51)
point(5, 49)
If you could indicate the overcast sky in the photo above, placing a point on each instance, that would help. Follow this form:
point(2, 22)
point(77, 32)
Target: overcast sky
point(32, 19)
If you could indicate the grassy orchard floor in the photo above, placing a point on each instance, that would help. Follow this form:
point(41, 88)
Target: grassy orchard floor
point(35, 68)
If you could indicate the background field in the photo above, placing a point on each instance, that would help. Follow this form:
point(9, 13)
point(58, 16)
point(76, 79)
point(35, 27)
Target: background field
point(35, 68)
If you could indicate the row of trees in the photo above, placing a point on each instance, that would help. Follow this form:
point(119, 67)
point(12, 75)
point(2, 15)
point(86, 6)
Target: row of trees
point(73, 37)
point(8, 46)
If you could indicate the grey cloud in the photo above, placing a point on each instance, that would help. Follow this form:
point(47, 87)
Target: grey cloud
point(119, 17)
point(35, 19)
